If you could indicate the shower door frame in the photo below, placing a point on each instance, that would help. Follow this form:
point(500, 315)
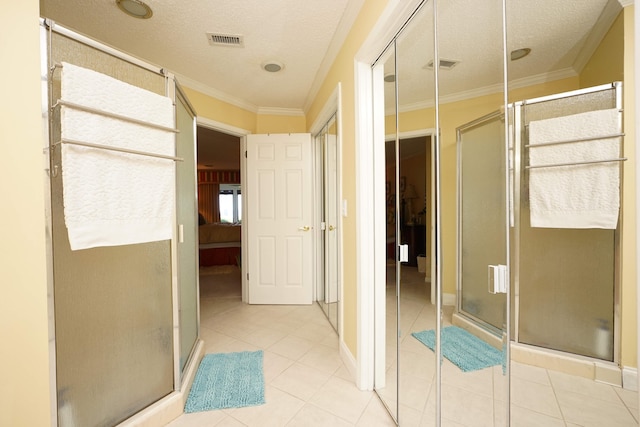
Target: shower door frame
point(517, 108)
point(496, 115)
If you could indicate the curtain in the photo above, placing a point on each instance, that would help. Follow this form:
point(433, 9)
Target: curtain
point(208, 204)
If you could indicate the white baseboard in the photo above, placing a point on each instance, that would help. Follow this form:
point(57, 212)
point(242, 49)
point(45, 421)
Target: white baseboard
point(630, 378)
point(170, 407)
point(349, 362)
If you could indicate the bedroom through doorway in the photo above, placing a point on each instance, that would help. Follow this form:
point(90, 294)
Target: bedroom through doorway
point(219, 213)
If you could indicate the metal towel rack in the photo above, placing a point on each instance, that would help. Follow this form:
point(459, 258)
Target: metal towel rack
point(92, 110)
point(569, 141)
point(119, 149)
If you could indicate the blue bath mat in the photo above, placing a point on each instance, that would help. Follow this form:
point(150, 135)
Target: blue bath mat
point(227, 380)
point(463, 349)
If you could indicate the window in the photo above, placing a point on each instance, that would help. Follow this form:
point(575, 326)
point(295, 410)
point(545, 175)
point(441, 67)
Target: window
point(230, 199)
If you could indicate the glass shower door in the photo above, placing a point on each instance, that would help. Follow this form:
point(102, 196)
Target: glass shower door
point(482, 228)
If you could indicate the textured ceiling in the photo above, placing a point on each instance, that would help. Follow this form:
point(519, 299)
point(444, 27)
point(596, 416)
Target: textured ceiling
point(293, 32)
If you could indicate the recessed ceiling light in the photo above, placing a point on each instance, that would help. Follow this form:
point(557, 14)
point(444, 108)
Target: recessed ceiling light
point(135, 8)
point(272, 66)
point(520, 53)
point(389, 77)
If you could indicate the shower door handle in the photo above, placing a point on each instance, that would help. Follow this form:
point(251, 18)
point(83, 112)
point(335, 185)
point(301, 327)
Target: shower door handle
point(497, 279)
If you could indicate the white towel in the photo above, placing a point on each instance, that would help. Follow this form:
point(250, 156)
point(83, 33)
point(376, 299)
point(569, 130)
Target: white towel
point(113, 198)
point(579, 196)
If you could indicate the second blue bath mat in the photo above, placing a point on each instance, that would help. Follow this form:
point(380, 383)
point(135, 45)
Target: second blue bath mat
point(463, 349)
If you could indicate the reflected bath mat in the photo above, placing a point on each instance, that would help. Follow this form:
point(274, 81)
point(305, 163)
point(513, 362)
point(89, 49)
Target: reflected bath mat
point(463, 349)
point(227, 380)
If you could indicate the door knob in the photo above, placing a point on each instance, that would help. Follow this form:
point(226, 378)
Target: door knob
point(331, 228)
point(305, 228)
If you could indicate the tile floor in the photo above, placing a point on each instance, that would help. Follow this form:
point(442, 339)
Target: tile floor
point(308, 385)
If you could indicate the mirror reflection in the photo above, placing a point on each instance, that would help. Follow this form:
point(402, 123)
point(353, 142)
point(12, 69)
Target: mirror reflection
point(556, 306)
point(328, 289)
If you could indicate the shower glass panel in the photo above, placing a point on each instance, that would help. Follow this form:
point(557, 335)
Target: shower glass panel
point(113, 305)
point(567, 276)
point(186, 215)
point(482, 220)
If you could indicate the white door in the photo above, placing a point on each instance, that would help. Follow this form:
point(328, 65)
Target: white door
point(279, 206)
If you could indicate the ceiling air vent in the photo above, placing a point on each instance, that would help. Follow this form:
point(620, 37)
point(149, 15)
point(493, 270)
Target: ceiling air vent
point(445, 64)
point(218, 39)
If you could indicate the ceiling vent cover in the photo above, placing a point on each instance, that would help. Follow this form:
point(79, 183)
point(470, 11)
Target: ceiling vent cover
point(218, 39)
point(445, 64)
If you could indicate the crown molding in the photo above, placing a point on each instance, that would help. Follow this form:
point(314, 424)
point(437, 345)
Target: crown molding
point(217, 94)
point(625, 3)
point(277, 111)
point(489, 90)
point(346, 23)
point(599, 31)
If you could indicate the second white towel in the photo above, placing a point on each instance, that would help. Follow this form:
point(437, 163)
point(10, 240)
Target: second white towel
point(578, 196)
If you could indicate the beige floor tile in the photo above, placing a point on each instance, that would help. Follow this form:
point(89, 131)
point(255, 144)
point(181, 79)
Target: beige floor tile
point(535, 397)
point(465, 407)
point(480, 381)
point(227, 422)
point(566, 382)
point(630, 398)
point(263, 337)
point(375, 414)
point(274, 365)
point(323, 358)
point(312, 416)
point(291, 347)
point(419, 365)
point(197, 419)
point(279, 409)
point(232, 346)
point(522, 417)
point(593, 412)
point(530, 373)
point(342, 399)
point(301, 381)
point(344, 373)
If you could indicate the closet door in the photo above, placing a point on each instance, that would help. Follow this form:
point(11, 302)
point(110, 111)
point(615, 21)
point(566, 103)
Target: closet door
point(471, 106)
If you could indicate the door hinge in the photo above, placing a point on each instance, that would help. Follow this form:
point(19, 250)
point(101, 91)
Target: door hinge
point(245, 154)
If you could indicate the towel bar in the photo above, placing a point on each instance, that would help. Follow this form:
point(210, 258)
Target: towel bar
point(569, 141)
point(112, 115)
point(122, 150)
point(553, 165)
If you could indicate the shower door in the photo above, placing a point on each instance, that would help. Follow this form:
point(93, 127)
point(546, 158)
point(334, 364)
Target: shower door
point(482, 235)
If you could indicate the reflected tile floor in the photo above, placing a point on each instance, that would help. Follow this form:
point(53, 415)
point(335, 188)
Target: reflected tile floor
point(308, 385)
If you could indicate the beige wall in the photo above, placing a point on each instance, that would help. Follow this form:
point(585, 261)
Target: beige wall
point(269, 123)
point(342, 71)
point(24, 358)
point(629, 306)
